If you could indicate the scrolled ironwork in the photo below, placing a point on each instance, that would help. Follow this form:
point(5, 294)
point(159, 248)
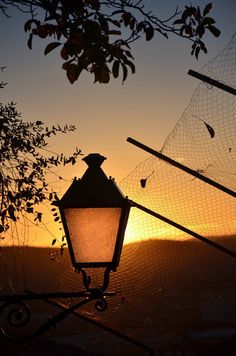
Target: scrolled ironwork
point(101, 305)
point(17, 313)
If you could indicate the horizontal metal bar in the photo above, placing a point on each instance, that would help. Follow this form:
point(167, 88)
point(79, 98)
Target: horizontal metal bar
point(96, 294)
point(182, 167)
point(213, 82)
point(184, 229)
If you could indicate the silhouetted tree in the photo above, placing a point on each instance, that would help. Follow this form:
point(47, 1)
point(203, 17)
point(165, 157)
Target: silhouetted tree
point(96, 35)
point(24, 163)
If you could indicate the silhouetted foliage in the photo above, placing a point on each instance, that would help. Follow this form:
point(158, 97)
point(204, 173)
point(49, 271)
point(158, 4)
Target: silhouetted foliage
point(96, 36)
point(24, 163)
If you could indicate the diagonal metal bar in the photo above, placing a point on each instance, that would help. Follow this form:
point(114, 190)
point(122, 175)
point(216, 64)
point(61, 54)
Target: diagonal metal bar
point(213, 82)
point(184, 229)
point(48, 324)
point(21, 312)
point(182, 167)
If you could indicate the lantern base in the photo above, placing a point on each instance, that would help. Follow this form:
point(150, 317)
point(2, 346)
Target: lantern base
point(87, 280)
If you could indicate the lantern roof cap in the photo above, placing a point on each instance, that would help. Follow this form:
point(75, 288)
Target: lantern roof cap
point(94, 160)
point(94, 188)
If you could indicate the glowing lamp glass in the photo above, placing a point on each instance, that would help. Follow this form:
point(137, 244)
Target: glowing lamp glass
point(93, 233)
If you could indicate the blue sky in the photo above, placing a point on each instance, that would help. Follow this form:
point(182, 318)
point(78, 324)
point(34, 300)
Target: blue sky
point(146, 107)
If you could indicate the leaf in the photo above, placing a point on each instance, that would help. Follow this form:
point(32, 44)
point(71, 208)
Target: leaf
point(39, 217)
point(208, 21)
point(64, 53)
point(203, 47)
point(214, 30)
point(117, 12)
point(178, 22)
point(207, 9)
point(143, 182)
point(43, 31)
point(129, 54)
point(193, 48)
point(56, 196)
point(200, 30)
point(115, 69)
point(29, 42)
point(95, 4)
point(125, 72)
point(131, 65)
point(149, 33)
point(190, 10)
point(104, 75)
point(11, 211)
point(27, 25)
point(103, 23)
point(66, 64)
point(210, 130)
point(114, 32)
point(73, 71)
point(51, 46)
point(197, 50)
point(54, 241)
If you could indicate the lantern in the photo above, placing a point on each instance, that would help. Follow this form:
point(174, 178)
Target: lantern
point(94, 214)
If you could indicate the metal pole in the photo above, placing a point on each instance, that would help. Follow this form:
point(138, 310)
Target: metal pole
point(184, 229)
point(11, 298)
point(213, 82)
point(182, 167)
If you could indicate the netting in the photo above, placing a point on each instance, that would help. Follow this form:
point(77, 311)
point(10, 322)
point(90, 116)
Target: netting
point(169, 283)
point(178, 195)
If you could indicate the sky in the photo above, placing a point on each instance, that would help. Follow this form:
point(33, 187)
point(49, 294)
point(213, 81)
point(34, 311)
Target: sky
point(146, 107)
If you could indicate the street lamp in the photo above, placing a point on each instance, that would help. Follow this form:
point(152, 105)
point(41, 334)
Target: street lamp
point(94, 214)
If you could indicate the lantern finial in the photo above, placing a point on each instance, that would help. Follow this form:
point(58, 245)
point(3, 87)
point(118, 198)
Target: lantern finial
point(94, 160)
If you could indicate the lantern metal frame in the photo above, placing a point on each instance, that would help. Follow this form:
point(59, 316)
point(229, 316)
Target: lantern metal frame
point(95, 190)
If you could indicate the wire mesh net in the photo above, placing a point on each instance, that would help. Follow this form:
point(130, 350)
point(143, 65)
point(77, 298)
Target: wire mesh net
point(170, 284)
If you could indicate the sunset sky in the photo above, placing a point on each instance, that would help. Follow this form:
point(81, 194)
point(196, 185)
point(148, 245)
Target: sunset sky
point(146, 107)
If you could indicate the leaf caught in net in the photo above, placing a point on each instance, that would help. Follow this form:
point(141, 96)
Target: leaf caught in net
point(143, 181)
point(210, 130)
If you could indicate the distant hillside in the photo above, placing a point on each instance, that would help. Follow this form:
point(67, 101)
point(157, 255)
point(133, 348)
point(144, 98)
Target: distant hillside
point(164, 287)
point(166, 263)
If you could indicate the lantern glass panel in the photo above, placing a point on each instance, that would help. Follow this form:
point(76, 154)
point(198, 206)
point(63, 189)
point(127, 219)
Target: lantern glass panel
point(93, 233)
